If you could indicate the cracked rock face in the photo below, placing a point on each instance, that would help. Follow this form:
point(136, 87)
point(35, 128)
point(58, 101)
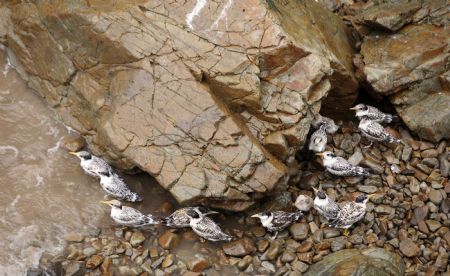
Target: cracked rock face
point(411, 65)
point(210, 98)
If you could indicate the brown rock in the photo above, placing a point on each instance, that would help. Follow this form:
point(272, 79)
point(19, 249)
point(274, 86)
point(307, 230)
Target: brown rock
point(299, 231)
point(198, 265)
point(169, 240)
point(306, 257)
point(210, 100)
point(73, 143)
point(413, 72)
point(74, 237)
point(409, 248)
point(305, 247)
point(239, 248)
point(94, 261)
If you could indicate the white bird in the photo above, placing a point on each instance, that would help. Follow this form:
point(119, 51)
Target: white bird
point(115, 186)
point(129, 216)
point(350, 213)
point(278, 220)
point(91, 164)
point(207, 228)
point(339, 166)
point(375, 132)
point(318, 140)
point(325, 205)
point(372, 113)
point(181, 217)
point(330, 126)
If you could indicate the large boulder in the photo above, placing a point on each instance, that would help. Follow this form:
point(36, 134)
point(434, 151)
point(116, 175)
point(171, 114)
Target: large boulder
point(410, 65)
point(211, 98)
point(364, 262)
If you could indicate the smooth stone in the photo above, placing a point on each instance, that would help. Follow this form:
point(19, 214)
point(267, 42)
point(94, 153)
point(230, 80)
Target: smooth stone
point(433, 225)
point(169, 240)
point(274, 250)
point(239, 248)
point(367, 189)
point(168, 261)
point(137, 238)
point(74, 237)
point(303, 203)
point(409, 248)
point(299, 231)
point(89, 251)
point(435, 196)
point(263, 245)
point(94, 261)
point(268, 266)
point(331, 233)
point(300, 266)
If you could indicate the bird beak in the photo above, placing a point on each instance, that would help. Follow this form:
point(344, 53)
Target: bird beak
point(105, 202)
point(73, 153)
point(212, 212)
point(255, 216)
point(315, 190)
point(319, 154)
point(353, 108)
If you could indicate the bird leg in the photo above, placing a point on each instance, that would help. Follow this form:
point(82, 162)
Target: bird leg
point(273, 237)
point(346, 232)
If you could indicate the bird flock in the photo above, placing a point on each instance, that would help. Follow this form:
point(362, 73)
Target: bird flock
point(340, 215)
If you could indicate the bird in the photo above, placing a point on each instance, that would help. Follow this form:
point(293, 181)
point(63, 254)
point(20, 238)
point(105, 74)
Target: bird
point(329, 124)
point(375, 132)
point(275, 221)
point(116, 187)
point(206, 228)
point(128, 216)
point(318, 139)
point(372, 113)
point(91, 164)
point(339, 166)
point(180, 218)
point(350, 213)
point(325, 205)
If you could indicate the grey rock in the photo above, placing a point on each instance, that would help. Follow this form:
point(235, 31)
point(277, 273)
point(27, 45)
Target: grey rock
point(367, 189)
point(435, 196)
point(299, 231)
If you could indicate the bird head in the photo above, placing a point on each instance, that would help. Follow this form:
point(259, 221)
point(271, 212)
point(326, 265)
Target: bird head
point(264, 216)
point(83, 155)
point(359, 107)
point(319, 193)
point(363, 198)
point(326, 155)
point(113, 203)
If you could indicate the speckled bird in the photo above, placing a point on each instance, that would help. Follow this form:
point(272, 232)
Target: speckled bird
point(325, 205)
point(206, 228)
point(181, 217)
point(372, 113)
point(350, 213)
point(275, 221)
point(318, 140)
point(375, 132)
point(339, 166)
point(330, 126)
point(116, 187)
point(91, 164)
point(129, 216)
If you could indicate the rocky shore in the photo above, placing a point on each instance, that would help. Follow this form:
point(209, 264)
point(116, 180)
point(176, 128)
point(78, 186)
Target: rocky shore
point(405, 230)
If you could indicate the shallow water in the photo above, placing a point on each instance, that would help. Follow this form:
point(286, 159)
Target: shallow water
point(43, 192)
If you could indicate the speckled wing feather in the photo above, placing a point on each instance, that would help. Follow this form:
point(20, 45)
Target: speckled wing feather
point(132, 217)
point(349, 214)
point(283, 219)
point(118, 188)
point(376, 115)
point(330, 210)
point(99, 165)
point(376, 132)
point(208, 229)
point(178, 219)
point(343, 168)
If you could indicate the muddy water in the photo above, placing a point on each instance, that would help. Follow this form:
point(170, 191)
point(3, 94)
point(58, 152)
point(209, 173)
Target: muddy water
point(43, 192)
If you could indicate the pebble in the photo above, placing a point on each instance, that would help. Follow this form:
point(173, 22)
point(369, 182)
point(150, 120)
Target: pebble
point(445, 206)
point(356, 158)
point(300, 266)
point(305, 247)
point(331, 233)
point(269, 267)
point(169, 240)
point(74, 237)
point(263, 245)
point(94, 261)
point(89, 251)
point(287, 257)
point(367, 189)
point(137, 238)
point(239, 248)
point(433, 225)
point(147, 267)
point(303, 203)
point(168, 261)
point(435, 196)
point(406, 154)
point(429, 153)
point(409, 248)
point(384, 210)
point(299, 231)
point(274, 250)
point(338, 244)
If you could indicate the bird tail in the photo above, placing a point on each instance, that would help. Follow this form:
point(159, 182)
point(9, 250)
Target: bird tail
point(227, 237)
point(149, 220)
point(360, 171)
point(133, 197)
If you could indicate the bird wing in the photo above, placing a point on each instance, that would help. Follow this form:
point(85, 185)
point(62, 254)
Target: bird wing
point(377, 131)
point(349, 214)
point(208, 229)
point(130, 216)
point(375, 114)
point(341, 164)
point(282, 219)
point(99, 164)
